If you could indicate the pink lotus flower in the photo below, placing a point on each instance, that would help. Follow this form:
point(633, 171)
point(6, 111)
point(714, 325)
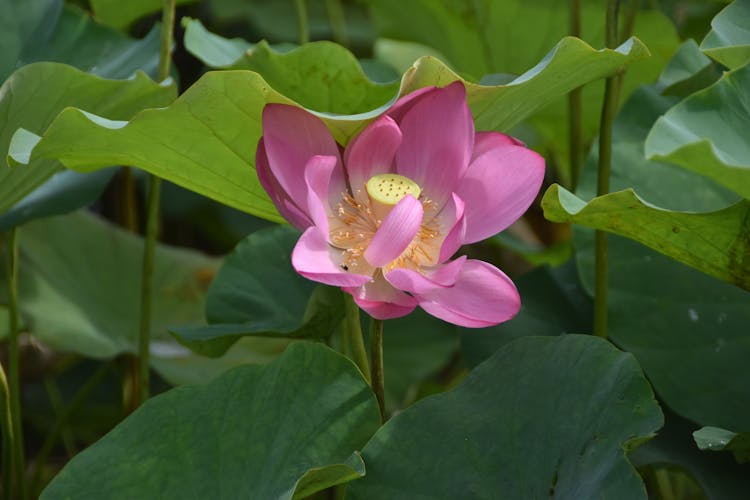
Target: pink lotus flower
point(413, 187)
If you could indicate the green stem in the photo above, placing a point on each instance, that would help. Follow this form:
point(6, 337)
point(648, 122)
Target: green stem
point(575, 107)
point(376, 363)
point(7, 436)
point(142, 387)
point(14, 375)
point(304, 32)
point(167, 34)
point(338, 22)
point(602, 186)
point(356, 340)
point(64, 418)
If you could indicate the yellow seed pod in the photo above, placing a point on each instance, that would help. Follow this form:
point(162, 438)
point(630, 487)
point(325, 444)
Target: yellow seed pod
point(389, 189)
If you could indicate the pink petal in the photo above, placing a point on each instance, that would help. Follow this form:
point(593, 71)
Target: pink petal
point(381, 301)
point(498, 187)
point(286, 207)
point(444, 275)
point(482, 296)
point(371, 153)
point(315, 259)
point(438, 138)
point(403, 105)
point(292, 136)
point(317, 177)
point(452, 221)
point(398, 229)
point(484, 141)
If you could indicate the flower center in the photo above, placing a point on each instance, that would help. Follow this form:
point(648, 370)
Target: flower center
point(355, 220)
point(389, 189)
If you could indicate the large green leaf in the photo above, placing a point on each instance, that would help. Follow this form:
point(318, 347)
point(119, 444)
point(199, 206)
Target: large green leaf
point(543, 417)
point(80, 291)
point(717, 243)
point(278, 432)
point(36, 93)
point(258, 293)
point(486, 37)
point(206, 140)
point(120, 14)
point(706, 133)
point(688, 330)
point(729, 39)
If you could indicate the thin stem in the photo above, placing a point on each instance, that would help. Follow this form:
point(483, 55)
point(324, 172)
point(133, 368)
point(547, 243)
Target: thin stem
point(144, 336)
point(356, 340)
point(602, 186)
point(338, 22)
point(575, 107)
point(167, 34)
point(64, 418)
point(376, 363)
point(302, 29)
point(142, 387)
point(7, 435)
point(14, 375)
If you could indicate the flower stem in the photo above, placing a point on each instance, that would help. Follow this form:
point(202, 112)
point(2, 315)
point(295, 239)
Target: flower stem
point(142, 388)
point(14, 375)
point(304, 32)
point(575, 107)
point(338, 22)
point(602, 186)
point(376, 363)
point(356, 340)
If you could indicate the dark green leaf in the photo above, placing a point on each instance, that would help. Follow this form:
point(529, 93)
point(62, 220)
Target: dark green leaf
point(496, 435)
point(258, 293)
point(119, 14)
point(280, 431)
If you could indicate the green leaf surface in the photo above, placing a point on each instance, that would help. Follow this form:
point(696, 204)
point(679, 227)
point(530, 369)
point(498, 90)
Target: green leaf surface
point(80, 286)
point(706, 133)
point(552, 303)
point(62, 193)
point(716, 439)
point(688, 71)
point(717, 243)
point(729, 39)
point(258, 293)
point(415, 348)
point(687, 330)
point(120, 15)
point(213, 50)
point(36, 93)
point(280, 431)
point(206, 140)
point(44, 30)
point(495, 435)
